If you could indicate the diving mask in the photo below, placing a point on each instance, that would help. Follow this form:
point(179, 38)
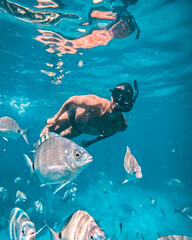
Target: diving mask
point(124, 96)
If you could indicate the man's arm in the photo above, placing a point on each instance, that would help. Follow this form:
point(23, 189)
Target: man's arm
point(63, 109)
point(80, 101)
point(122, 127)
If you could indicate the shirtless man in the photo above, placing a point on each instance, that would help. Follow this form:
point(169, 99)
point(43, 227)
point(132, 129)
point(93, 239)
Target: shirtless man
point(93, 115)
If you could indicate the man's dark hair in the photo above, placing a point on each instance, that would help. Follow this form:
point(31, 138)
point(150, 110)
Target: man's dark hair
point(126, 87)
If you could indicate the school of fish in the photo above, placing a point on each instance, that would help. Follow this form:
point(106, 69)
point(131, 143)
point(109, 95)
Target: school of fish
point(57, 162)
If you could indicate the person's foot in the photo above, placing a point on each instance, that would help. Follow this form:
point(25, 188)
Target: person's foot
point(50, 121)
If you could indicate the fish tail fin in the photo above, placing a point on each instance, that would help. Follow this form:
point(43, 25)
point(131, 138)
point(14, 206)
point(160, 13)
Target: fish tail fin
point(54, 235)
point(125, 181)
point(23, 132)
point(176, 210)
point(163, 213)
point(30, 164)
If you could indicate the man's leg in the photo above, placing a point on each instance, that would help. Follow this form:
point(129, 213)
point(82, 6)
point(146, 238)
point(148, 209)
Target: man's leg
point(61, 124)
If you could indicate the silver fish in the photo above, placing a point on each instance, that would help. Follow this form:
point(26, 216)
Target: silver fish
point(3, 194)
point(20, 226)
point(69, 193)
point(153, 201)
point(20, 197)
point(132, 167)
point(10, 129)
point(174, 237)
point(79, 226)
point(186, 211)
point(58, 160)
point(38, 207)
point(17, 180)
point(174, 182)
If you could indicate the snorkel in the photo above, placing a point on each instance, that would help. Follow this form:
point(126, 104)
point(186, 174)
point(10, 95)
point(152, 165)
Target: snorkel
point(136, 91)
point(124, 96)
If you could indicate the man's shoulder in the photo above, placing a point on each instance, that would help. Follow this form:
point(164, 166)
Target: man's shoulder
point(90, 99)
point(95, 98)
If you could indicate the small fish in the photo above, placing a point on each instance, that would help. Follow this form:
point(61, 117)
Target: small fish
point(17, 180)
point(38, 206)
point(174, 182)
point(174, 237)
point(162, 212)
point(20, 226)
point(132, 167)
point(69, 193)
point(3, 194)
point(20, 197)
point(10, 129)
point(58, 160)
point(153, 201)
point(159, 234)
point(186, 211)
point(1, 189)
point(121, 227)
point(142, 237)
point(137, 232)
point(81, 226)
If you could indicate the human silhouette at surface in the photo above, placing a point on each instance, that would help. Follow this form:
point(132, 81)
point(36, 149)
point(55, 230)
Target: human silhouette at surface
point(122, 25)
point(94, 115)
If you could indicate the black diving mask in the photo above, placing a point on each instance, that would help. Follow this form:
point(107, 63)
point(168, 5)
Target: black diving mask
point(125, 98)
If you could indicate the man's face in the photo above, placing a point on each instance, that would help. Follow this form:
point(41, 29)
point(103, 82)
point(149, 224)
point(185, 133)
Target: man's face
point(120, 107)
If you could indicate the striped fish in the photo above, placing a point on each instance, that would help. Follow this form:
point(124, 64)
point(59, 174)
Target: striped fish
point(20, 197)
point(132, 167)
point(175, 237)
point(79, 226)
point(69, 193)
point(20, 226)
point(10, 129)
point(58, 160)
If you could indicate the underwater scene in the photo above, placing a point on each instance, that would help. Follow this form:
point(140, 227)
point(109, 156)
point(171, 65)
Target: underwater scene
point(95, 120)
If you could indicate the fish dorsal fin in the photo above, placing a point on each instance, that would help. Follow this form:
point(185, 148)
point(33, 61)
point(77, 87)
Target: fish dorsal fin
point(66, 222)
point(44, 138)
point(128, 150)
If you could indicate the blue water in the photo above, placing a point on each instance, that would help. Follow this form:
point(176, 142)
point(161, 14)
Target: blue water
point(35, 83)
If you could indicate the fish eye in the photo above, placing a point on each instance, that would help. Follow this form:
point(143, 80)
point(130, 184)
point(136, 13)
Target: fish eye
point(19, 131)
point(91, 236)
point(78, 154)
point(23, 231)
